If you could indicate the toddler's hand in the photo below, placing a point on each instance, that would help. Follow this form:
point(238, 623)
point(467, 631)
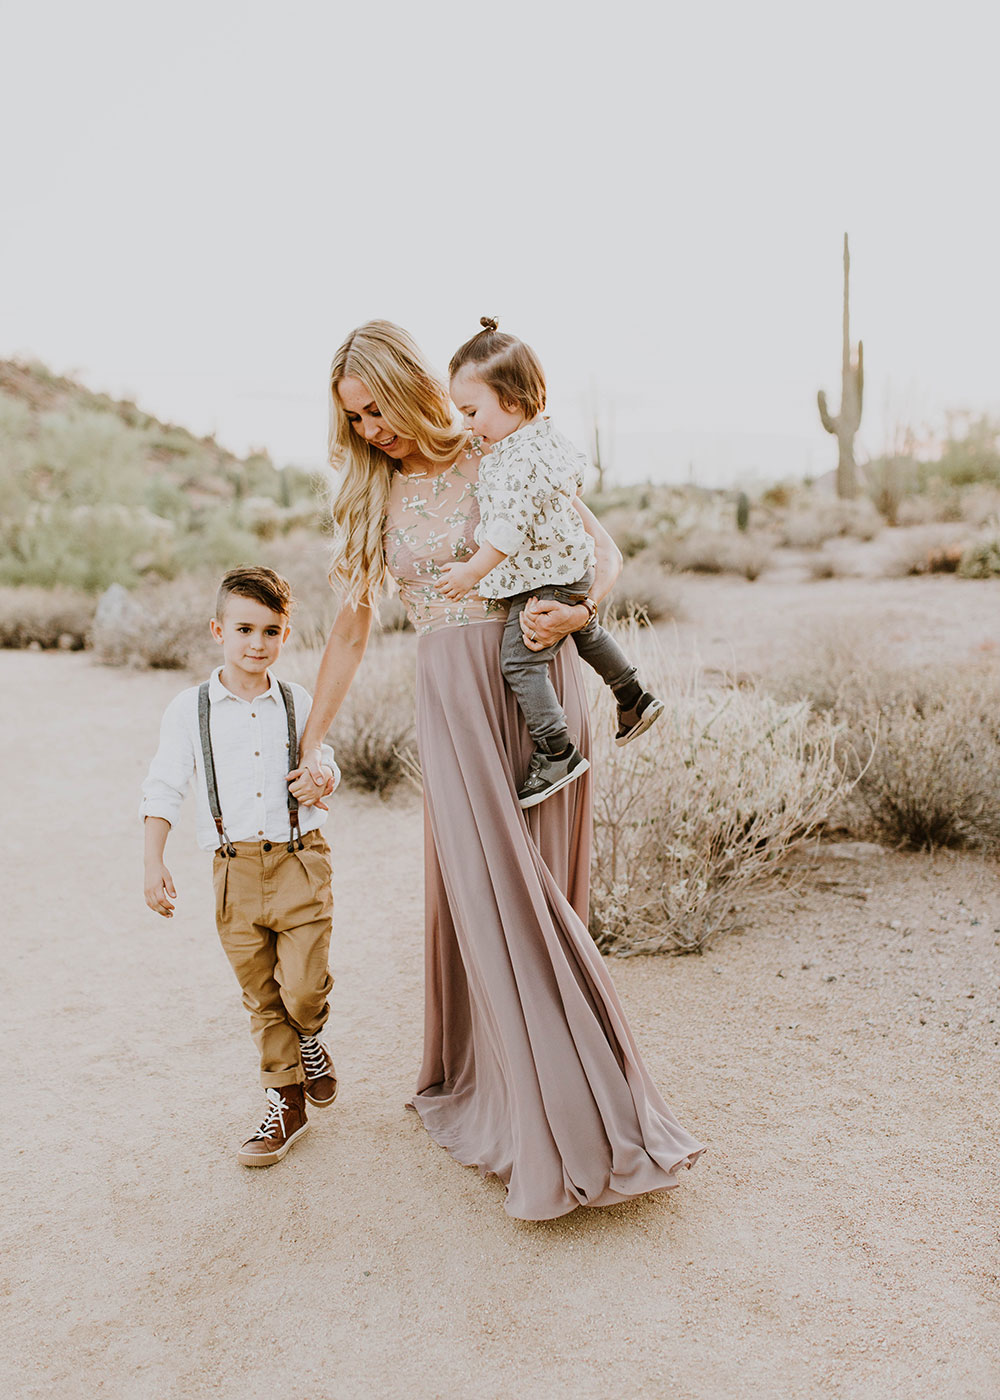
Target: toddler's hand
point(159, 890)
point(455, 582)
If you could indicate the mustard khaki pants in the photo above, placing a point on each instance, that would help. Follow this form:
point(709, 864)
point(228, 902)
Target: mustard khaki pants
point(274, 912)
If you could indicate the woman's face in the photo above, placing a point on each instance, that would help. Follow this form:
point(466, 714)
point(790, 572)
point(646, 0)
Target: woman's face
point(367, 421)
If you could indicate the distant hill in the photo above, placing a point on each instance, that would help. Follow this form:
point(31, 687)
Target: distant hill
point(198, 465)
point(97, 491)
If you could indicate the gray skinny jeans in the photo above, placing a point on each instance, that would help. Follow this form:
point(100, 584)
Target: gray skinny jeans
point(527, 672)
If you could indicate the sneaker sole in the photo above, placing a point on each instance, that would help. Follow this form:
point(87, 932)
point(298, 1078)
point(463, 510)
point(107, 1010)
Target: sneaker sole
point(653, 713)
point(268, 1159)
point(321, 1103)
point(537, 797)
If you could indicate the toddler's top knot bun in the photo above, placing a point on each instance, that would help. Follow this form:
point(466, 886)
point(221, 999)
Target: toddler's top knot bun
point(489, 323)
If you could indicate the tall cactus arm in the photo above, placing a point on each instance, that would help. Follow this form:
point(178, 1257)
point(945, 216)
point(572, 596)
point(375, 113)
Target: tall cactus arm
point(829, 423)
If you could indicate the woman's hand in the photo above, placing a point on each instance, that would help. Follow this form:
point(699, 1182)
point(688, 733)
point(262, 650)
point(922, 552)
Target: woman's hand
point(312, 780)
point(309, 785)
point(544, 621)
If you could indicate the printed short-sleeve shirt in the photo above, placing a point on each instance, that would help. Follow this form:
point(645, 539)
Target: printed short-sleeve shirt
point(526, 490)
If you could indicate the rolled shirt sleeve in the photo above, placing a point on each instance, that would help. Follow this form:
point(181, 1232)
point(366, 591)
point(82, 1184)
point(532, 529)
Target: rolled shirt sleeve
point(504, 535)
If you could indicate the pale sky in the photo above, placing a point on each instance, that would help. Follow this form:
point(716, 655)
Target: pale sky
point(199, 201)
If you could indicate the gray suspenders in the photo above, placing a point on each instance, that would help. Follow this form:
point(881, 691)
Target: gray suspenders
point(204, 706)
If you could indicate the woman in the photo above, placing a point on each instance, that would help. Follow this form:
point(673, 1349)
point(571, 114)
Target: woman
point(529, 1070)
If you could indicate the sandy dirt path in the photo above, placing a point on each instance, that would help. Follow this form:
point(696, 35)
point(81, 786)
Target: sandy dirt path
point(840, 1058)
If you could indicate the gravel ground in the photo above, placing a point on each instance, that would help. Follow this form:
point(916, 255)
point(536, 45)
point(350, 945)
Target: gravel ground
point(840, 1059)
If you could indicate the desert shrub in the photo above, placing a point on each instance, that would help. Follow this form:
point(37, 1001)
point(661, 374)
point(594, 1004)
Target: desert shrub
point(932, 776)
point(373, 735)
point(645, 592)
point(928, 549)
point(701, 813)
point(980, 505)
point(160, 627)
point(929, 508)
point(824, 565)
point(923, 744)
point(45, 617)
point(810, 526)
point(969, 453)
point(981, 559)
point(719, 552)
point(628, 528)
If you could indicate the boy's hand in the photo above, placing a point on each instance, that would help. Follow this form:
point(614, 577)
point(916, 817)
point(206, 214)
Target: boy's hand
point(159, 890)
point(457, 580)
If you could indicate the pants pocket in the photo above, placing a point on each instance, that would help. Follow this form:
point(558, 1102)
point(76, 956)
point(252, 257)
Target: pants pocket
point(220, 883)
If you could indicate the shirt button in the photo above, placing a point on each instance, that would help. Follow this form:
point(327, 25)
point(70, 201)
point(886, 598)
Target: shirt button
point(253, 714)
point(259, 794)
point(256, 753)
point(260, 833)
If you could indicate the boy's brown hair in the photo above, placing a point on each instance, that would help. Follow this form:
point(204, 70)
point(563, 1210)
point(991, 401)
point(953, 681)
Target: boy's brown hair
point(254, 581)
point(510, 368)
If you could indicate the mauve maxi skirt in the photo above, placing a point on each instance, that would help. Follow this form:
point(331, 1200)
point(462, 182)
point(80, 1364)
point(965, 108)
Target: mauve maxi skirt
point(530, 1070)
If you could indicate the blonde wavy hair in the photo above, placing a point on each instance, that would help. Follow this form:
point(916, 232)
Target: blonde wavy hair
point(414, 404)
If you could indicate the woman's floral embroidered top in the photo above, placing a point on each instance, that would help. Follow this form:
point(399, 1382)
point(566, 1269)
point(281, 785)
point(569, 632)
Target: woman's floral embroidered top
point(526, 490)
point(432, 521)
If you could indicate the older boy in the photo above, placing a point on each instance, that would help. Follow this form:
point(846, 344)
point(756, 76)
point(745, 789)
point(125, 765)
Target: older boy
point(237, 735)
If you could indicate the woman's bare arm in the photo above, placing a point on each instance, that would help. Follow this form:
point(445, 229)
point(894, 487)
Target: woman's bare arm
point(339, 664)
point(548, 620)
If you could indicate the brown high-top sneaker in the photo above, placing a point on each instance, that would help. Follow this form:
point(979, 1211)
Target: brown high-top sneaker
point(321, 1077)
point(284, 1122)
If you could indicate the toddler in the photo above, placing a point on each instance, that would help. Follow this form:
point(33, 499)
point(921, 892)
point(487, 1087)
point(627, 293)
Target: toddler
point(532, 544)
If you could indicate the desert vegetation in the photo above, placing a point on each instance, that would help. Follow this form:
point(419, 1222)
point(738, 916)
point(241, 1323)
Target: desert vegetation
point(118, 526)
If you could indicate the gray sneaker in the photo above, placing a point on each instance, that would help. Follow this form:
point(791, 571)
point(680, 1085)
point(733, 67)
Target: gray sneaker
point(632, 723)
point(547, 775)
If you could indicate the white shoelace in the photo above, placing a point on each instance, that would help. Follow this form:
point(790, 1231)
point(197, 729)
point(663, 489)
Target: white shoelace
point(313, 1056)
point(275, 1114)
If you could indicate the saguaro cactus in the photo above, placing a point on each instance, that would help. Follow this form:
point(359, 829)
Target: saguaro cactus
point(848, 420)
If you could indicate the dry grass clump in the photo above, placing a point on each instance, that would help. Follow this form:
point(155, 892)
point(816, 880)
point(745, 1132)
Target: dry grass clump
point(45, 617)
point(718, 552)
point(373, 736)
point(700, 811)
point(923, 744)
point(644, 592)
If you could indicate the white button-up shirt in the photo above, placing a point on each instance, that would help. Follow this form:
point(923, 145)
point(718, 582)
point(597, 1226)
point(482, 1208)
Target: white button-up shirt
point(250, 751)
point(526, 490)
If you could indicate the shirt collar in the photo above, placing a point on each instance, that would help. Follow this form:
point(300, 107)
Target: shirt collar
point(217, 691)
point(538, 427)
